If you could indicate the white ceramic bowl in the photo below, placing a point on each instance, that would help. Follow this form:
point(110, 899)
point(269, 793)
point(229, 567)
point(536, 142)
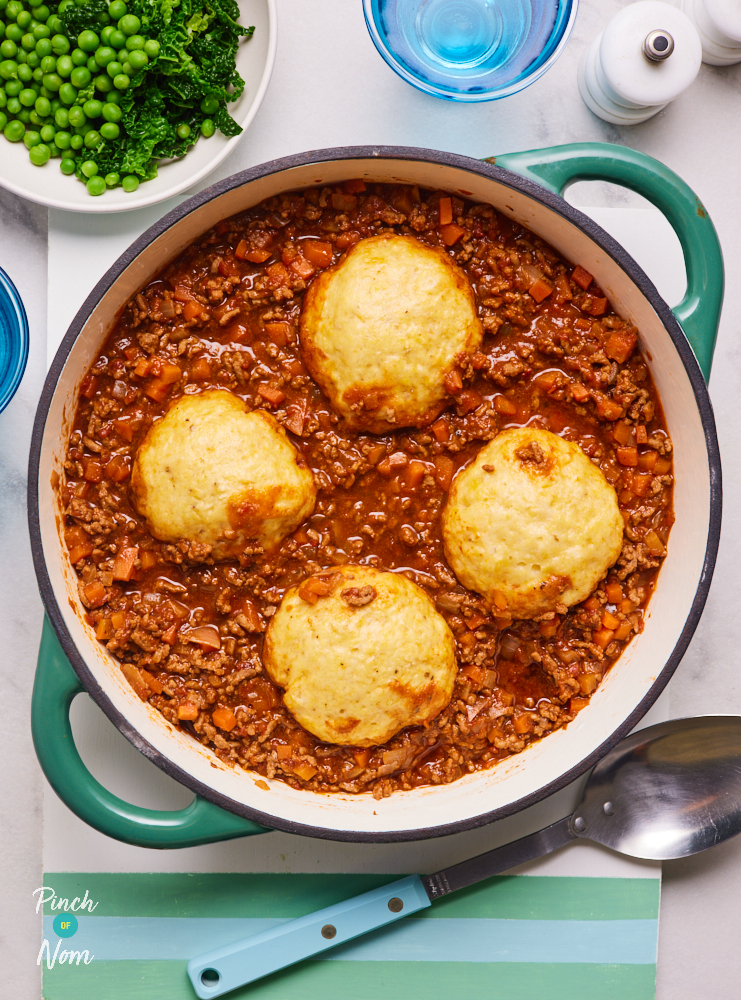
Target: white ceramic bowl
point(631, 685)
point(47, 185)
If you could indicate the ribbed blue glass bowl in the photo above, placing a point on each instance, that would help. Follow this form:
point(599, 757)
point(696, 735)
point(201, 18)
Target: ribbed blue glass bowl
point(470, 50)
point(13, 339)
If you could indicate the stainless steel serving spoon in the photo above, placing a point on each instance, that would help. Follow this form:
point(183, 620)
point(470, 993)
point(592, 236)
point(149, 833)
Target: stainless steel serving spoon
point(665, 792)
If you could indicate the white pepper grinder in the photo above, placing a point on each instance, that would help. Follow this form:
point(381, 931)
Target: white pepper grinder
point(648, 54)
point(718, 24)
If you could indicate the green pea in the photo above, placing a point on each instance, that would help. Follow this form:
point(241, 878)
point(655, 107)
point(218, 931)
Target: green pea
point(114, 97)
point(112, 180)
point(8, 49)
point(47, 133)
point(24, 19)
point(13, 88)
point(65, 66)
point(14, 106)
point(129, 24)
point(111, 113)
point(127, 69)
point(38, 74)
point(2, 28)
point(76, 142)
point(109, 130)
point(42, 31)
point(113, 68)
point(33, 60)
point(63, 140)
point(42, 106)
point(76, 117)
point(104, 55)
point(209, 105)
point(54, 150)
point(56, 25)
point(39, 155)
point(93, 108)
point(117, 39)
point(25, 73)
point(14, 131)
point(43, 48)
point(67, 166)
point(82, 130)
point(89, 168)
point(31, 139)
point(13, 9)
point(60, 45)
point(8, 69)
point(95, 186)
point(42, 13)
point(27, 97)
point(81, 76)
point(68, 93)
point(79, 58)
point(207, 128)
point(14, 32)
point(56, 104)
point(64, 5)
point(36, 119)
point(122, 81)
point(23, 115)
point(130, 183)
point(88, 41)
point(48, 64)
point(4, 121)
point(105, 35)
point(103, 83)
point(135, 42)
point(117, 9)
point(28, 42)
point(52, 81)
point(92, 140)
point(22, 57)
point(3, 97)
point(91, 64)
point(184, 130)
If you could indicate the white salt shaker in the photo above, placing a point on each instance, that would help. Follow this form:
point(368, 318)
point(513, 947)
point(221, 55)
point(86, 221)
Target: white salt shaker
point(648, 54)
point(718, 24)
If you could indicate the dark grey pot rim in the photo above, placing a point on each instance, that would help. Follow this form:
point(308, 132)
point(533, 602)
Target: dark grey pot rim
point(537, 193)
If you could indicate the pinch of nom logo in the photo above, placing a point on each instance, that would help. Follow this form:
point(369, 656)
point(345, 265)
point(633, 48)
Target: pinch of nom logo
point(65, 926)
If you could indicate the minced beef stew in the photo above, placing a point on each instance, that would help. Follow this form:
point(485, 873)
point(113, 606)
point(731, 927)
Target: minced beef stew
point(188, 630)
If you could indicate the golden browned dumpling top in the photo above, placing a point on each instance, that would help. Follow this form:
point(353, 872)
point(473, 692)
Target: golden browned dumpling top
point(214, 473)
point(532, 523)
point(361, 654)
point(381, 330)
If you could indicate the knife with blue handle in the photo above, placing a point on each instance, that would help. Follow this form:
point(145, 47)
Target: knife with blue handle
point(224, 969)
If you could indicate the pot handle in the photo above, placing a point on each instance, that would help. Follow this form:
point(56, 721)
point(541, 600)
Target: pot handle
point(55, 686)
point(560, 166)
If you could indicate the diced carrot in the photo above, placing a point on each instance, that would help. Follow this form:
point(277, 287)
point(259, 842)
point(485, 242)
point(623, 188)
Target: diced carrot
point(304, 771)
point(75, 535)
point(563, 288)
point(627, 456)
point(170, 635)
point(641, 435)
point(143, 367)
point(647, 460)
point(345, 240)
point(253, 620)
point(118, 468)
point(104, 630)
point(92, 470)
point(451, 234)
point(192, 310)
point(479, 361)
point(384, 467)
point(500, 600)
point(627, 496)
point(135, 679)
point(118, 619)
point(318, 253)
point(88, 386)
point(157, 390)
point(626, 606)
point(663, 465)
point(270, 394)
point(614, 592)
point(414, 474)
point(620, 344)
point(125, 428)
point(205, 636)
point(169, 373)
point(549, 628)
point(228, 267)
point(453, 382)
point(445, 206)
point(344, 202)
point(224, 718)
point(187, 712)
point(277, 275)
point(588, 683)
point(257, 255)
point(151, 681)
point(602, 637)
point(355, 186)
point(362, 757)
point(148, 559)
point(301, 266)
point(610, 621)
point(653, 543)
point(548, 380)
point(473, 622)
point(95, 594)
point(441, 430)
point(641, 483)
point(591, 604)
point(608, 409)
point(577, 704)
point(131, 353)
point(593, 306)
point(623, 631)
point(241, 250)
point(524, 723)
point(283, 751)
point(505, 407)
point(541, 289)
point(201, 368)
point(182, 294)
point(280, 333)
point(581, 277)
point(469, 400)
point(315, 587)
point(579, 392)
point(622, 433)
point(123, 564)
point(444, 471)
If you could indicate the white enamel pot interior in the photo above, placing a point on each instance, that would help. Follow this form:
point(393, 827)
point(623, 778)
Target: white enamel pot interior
point(632, 684)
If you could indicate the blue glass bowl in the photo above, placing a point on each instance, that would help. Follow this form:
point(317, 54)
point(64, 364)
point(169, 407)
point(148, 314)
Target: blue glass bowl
point(13, 339)
point(470, 50)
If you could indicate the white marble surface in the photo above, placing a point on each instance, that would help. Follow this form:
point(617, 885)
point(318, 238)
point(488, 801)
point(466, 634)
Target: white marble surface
point(331, 88)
